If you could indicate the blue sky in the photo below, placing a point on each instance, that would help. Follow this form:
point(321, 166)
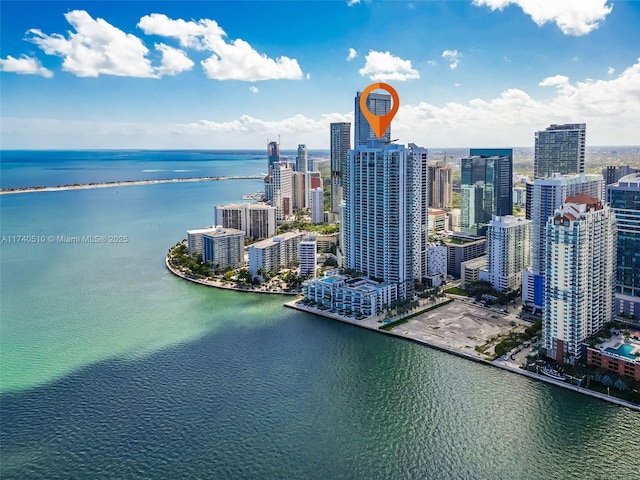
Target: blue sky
point(233, 74)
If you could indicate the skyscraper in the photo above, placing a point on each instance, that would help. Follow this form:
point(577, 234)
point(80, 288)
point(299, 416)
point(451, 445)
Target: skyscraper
point(378, 104)
point(316, 205)
point(273, 151)
point(508, 251)
point(441, 185)
point(624, 199)
point(559, 148)
point(302, 160)
point(485, 188)
point(282, 189)
point(340, 145)
point(580, 275)
point(546, 195)
point(382, 216)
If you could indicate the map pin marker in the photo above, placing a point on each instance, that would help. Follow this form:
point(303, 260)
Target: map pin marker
point(379, 123)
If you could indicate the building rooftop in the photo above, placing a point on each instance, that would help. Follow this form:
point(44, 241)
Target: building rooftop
point(632, 180)
point(222, 232)
point(277, 239)
point(584, 199)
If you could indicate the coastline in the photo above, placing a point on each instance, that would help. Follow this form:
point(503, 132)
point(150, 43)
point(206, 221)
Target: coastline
point(219, 285)
point(124, 183)
point(371, 324)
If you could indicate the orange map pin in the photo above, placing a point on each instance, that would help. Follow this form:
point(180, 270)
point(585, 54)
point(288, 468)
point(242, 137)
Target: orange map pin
point(379, 123)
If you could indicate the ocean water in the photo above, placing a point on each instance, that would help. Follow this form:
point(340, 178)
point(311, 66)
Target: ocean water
point(112, 368)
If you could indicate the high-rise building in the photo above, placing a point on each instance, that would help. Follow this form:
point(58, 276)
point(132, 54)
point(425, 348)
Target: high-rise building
point(268, 255)
point(624, 199)
point(282, 174)
point(378, 104)
point(382, 214)
point(508, 251)
point(300, 195)
point(302, 159)
point(613, 173)
point(223, 248)
point(257, 220)
point(340, 145)
point(307, 252)
point(559, 149)
point(579, 277)
point(485, 188)
point(545, 195)
point(441, 186)
point(316, 205)
point(194, 240)
point(273, 152)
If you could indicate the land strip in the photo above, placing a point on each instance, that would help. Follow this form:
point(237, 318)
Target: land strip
point(124, 183)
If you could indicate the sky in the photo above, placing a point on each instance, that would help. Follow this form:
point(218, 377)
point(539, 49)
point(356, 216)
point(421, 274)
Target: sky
point(234, 74)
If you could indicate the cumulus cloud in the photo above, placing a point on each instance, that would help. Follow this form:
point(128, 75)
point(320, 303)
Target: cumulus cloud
point(381, 66)
point(173, 61)
point(453, 56)
point(573, 17)
point(95, 48)
point(351, 3)
point(24, 66)
point(352, 54)
point(236, 60)
point(253, 89)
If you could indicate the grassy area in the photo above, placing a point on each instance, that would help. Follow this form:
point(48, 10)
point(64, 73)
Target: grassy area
point(391, 325)
point(457, 291)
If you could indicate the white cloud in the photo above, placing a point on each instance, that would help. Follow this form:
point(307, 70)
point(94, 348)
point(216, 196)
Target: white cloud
point(610, 71)
point(352, 54)
point(609, 107)
point(174, 60)
point(96, 48)
point(25, 66)
point(253, 89)
point(381, 66)
point(573, 17)
point(453, 56)
point(236, 60)
point(351, 3)
point(433, 63)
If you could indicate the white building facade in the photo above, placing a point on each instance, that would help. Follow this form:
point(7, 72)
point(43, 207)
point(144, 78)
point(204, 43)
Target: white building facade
point(308, 251)
point(257, 220)
point(277, 252)
point(223, 248)
point(508, 251)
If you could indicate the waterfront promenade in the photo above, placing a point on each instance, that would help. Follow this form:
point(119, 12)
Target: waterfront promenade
point(420, 331)
point(125, 183)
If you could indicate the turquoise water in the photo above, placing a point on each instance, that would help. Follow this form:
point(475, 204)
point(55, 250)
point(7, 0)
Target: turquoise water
point(112, 368)
point(624, 350)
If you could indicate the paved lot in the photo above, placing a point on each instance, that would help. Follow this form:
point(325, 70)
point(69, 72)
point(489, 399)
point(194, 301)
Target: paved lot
point(460, 326)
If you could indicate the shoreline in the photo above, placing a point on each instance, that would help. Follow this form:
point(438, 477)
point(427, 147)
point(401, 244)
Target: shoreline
point(124, 183)
point(207, 283)
point(367, 323)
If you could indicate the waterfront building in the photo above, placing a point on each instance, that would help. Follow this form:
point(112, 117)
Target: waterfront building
point(317, 205)
point(624, 199)
point(340, 144)
point(359, 296)
point(471, 269)
point(378, 104)
point(257, 220)
point(302, 159)
point(437, 221)
point(508, 251)
point(460, 248)
point(485, 188)
point(559, 149)
point(546, 196)
point(618, 354)
point(307, 253)
point(282, 173)
point(579, 277)
point(223, 248)
point(273, 253)
point(613, 173)
point(194, 240)
point(441, 184)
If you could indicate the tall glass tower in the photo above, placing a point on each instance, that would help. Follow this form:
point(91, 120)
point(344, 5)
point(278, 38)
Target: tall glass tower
point(378, 104)
point(340, 143)
point(559, 149)
point(624, 199)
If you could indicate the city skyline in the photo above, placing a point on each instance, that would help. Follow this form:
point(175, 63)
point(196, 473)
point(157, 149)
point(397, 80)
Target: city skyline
point(193, 75)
